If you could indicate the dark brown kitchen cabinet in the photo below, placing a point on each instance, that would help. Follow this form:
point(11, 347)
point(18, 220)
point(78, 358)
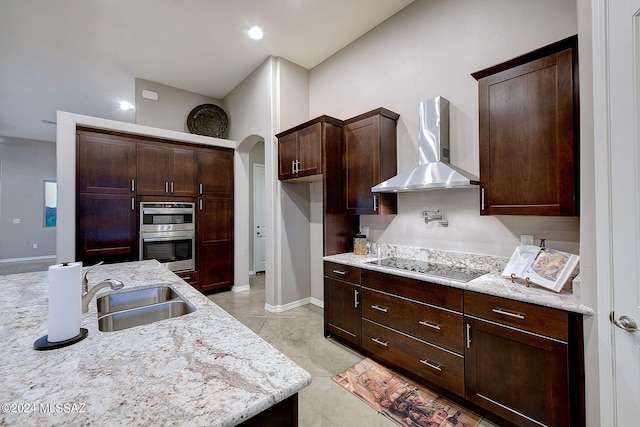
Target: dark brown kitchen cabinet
point(105, 197)
point(524, 362)
point(415, 326)
point(369, 157)
point(214, 222)
point(342, 295)
point(300, 151)
point(106, 228)
point(166, 170)
point(106, 163)
point(518, 363)
point(215, 173)
point(528, 119)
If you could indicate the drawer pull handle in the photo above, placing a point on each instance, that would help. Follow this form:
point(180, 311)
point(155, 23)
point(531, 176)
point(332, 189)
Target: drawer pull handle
point(377, 307)
point(430, 325)
point(339, 272)
point(468, 335)
point(431, 364)
point(355, 299)
point(508, 313)
point(379, 341)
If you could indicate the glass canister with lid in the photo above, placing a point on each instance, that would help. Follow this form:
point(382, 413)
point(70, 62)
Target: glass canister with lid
point(360, 244)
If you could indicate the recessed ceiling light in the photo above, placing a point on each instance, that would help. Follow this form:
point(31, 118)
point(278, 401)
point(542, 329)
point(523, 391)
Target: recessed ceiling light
point(255, 33)
point(124, 105)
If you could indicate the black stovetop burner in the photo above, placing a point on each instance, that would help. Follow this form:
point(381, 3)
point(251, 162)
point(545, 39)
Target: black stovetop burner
point(461, 274)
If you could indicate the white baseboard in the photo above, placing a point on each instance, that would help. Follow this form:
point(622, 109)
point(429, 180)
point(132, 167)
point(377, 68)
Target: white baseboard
point(242, 288)
point(286, 307)
point(317, 302)
point(33, 258)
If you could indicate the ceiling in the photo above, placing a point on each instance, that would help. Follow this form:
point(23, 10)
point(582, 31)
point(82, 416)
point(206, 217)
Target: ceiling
point(82, 56)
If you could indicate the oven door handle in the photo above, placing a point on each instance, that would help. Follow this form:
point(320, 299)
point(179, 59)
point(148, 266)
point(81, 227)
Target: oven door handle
point(165, 239)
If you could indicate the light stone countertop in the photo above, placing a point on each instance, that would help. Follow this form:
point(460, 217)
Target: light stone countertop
point(490, 284)
point(203, 368)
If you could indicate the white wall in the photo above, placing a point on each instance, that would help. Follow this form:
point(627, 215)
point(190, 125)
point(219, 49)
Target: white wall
point(171, 109)
point(430, 48)
point(24, 166)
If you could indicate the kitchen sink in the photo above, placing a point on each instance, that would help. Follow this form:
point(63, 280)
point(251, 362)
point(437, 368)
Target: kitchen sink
point(137, 307)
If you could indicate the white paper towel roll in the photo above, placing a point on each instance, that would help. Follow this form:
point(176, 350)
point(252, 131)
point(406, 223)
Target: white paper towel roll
point(65, 301)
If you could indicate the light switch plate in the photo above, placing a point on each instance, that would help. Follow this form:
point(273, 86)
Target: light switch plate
point(526, 239)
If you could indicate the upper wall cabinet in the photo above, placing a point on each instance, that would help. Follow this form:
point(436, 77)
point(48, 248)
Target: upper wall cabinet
point(528, 118)
point(106, 163)
point(300, 149)
point(165, 170)
point(368, 158)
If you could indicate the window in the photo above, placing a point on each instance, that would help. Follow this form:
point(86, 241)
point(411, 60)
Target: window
point(50, 203)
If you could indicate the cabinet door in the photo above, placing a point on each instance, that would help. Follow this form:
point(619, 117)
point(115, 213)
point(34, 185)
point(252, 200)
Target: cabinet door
point(106, 228)
point(361, 163)
point(519, 376)
point(215, 243)
point(215, 173)
point(310, 150)
point(342, 310)
point(183, 172)
point(528, 142)
point(153, 165)
point(368, 158)
point(287, 155)
point(105, 164)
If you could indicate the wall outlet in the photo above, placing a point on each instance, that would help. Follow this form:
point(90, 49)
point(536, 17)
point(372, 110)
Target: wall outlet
point(35, 246)
point(16, 220)
point(526, 239)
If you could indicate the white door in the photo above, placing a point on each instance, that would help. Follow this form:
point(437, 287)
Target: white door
point(259, 222)
point(619, 259)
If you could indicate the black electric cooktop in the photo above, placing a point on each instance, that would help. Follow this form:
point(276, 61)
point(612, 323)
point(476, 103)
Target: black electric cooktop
point(460, 274)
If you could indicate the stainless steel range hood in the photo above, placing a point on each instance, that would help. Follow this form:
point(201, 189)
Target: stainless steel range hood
point(433, 171)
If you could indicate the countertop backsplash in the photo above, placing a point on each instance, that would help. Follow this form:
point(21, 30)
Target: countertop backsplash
point(489, 263)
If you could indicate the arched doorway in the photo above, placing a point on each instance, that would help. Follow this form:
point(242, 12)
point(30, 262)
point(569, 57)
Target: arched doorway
point(250, 153)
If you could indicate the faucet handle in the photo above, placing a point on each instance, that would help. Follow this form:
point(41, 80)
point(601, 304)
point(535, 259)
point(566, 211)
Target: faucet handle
point(85, 281)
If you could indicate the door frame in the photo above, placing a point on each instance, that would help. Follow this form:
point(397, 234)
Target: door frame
point(256, 166)
point(603, 197)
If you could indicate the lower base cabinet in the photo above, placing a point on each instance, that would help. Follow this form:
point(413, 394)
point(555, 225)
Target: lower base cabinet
point(435, 364)
point(516, 363)
point(520, 376)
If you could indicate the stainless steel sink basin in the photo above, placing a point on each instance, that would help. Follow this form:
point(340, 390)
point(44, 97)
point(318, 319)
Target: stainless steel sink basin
point(137, 307)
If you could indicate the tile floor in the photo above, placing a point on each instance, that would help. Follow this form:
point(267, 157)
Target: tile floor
point(298, 333)
point(16, 267)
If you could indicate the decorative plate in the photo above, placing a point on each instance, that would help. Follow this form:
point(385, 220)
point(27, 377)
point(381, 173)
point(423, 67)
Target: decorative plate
point(207, 120)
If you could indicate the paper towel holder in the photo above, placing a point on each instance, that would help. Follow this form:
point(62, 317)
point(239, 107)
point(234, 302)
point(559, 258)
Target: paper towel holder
point(43, 343)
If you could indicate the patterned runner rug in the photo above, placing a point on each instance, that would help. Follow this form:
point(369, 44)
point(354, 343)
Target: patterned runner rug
point(402, 400)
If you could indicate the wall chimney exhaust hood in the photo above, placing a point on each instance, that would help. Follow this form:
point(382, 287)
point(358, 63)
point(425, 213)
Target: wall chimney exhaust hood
point(433, 171)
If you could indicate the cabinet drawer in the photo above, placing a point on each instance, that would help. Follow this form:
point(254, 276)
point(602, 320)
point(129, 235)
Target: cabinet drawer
point(436, 365)
point(529, 317)
point(342, 272)
point(191, 277)
point(432, 324)
point(430, 293)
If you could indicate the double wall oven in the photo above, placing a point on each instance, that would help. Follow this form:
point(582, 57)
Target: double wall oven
point(167, 234)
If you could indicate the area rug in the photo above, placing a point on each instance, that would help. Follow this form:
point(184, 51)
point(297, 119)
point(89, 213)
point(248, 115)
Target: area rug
point(402, 400)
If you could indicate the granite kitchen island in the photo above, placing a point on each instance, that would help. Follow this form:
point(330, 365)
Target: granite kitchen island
point(202, 368)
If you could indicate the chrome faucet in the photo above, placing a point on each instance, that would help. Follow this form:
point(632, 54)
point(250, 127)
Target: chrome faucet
point(87, 296)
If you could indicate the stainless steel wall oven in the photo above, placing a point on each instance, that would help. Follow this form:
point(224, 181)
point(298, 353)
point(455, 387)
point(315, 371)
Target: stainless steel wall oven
point(167, 234)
